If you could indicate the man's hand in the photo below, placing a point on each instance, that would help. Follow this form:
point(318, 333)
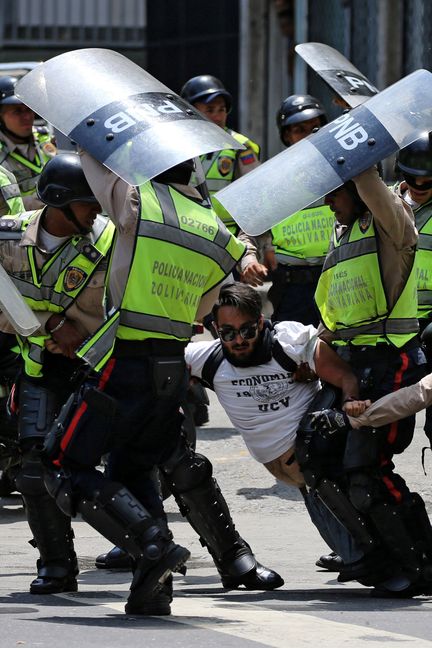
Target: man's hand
point(68, 339)
point(330, 422)
point(65, 338)
point(304, 373)
point(254, 274)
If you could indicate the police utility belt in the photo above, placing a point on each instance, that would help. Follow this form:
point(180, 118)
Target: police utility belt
point(149, 347)
point(299, 274)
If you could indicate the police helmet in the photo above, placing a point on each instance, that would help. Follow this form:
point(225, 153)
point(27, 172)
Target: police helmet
point(7, 91)
point(205, 88)
point(416, 158)
point(359, 206)
point(62, 181)
point(298, 108)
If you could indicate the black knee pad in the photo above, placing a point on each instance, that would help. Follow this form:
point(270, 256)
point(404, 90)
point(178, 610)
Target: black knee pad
point(38, 408)
point(186, 469)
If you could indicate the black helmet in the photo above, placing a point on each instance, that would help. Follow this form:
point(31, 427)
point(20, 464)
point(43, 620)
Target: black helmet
point(416, 158)
point(298, 108)
point(359, 206)
point(205, 88)
point(62, 181)
point(7, 91)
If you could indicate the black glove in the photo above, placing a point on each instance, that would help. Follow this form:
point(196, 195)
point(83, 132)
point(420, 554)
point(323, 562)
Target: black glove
point(330, 422)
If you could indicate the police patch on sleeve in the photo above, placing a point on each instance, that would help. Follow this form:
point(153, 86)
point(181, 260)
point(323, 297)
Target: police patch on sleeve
point(74, 278)
point(224, 165)
point(247, 157)
point(49, 149)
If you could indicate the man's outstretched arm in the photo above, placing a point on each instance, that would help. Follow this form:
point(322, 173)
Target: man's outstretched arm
point(395, 406)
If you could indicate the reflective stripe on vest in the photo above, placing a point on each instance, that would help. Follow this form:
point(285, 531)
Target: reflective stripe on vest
point(49, 290)
point(32, 352)
point(56, 285)
point(423, 220)
point(12, 197)
point(351, 298)
point(305, 235)
point(182, 251)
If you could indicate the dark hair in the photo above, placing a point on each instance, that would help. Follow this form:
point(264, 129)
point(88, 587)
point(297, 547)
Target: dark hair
point(241, 296)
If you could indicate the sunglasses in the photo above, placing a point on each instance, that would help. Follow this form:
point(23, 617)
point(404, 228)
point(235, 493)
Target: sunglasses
point(246, 332)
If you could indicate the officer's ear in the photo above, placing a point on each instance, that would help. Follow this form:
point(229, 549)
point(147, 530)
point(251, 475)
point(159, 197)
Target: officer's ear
point(261, 322)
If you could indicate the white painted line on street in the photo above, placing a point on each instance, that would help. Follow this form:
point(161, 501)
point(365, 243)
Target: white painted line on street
point(269, 627)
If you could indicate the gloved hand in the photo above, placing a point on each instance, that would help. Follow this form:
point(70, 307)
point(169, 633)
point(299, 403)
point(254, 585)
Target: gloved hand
point(330, 422)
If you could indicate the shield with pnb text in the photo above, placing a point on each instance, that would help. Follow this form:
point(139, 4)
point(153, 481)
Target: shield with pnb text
point(318, 164)
point(119, 113)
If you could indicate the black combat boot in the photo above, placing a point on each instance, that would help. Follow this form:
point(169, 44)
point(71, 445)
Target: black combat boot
point(120, 517)
point(156, 605)
point(207, 511)
point(53, 536)
point(116, 558)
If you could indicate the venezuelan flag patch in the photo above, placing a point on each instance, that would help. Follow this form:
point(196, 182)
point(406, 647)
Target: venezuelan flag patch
point(247, 157)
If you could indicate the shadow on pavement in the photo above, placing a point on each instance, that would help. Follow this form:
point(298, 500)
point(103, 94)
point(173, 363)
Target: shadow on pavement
point(211, 433)
point(283, 491)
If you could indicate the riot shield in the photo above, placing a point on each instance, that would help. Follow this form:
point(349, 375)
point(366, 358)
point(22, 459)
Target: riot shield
point(313, 167)
point(338, 72)
point(119, 113)
point(13, 306)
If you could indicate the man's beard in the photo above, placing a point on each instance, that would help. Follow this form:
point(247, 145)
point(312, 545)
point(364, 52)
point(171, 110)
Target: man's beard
point(240, 361)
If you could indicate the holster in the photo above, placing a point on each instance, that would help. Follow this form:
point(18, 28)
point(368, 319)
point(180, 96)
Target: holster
point(168, 374)
point(104, 405)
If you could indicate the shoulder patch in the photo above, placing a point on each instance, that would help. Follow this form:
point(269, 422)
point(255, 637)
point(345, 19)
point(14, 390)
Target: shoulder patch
point(364, 222)
point(224, 165)
point(247, 157)
point(74, 278)
point(49, 149)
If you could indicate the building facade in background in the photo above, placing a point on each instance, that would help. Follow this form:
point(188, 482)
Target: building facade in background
point(249, 44)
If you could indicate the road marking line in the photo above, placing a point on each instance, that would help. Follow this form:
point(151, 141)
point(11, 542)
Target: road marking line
point(269, 627)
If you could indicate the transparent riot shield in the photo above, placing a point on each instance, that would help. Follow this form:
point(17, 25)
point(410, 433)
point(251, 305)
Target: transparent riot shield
point(119, 113)
point(13, 306)
point(337, 72)
point(313, 167)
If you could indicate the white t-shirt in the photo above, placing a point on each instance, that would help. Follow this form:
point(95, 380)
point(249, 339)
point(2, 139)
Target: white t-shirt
point(263, 403)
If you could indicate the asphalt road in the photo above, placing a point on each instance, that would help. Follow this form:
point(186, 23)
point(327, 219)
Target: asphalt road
point(310, 609)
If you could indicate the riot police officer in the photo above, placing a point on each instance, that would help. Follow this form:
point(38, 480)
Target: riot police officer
point(368, 306)
point(68, 244)
point(209, 96)
point(296, 247)
point(24, 149)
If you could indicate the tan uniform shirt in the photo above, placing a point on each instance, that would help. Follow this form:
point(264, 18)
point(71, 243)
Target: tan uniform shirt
point(398, 405)
point(86, 312)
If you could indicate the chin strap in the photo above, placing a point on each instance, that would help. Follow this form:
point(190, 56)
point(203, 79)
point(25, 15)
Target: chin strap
point(67, 211)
